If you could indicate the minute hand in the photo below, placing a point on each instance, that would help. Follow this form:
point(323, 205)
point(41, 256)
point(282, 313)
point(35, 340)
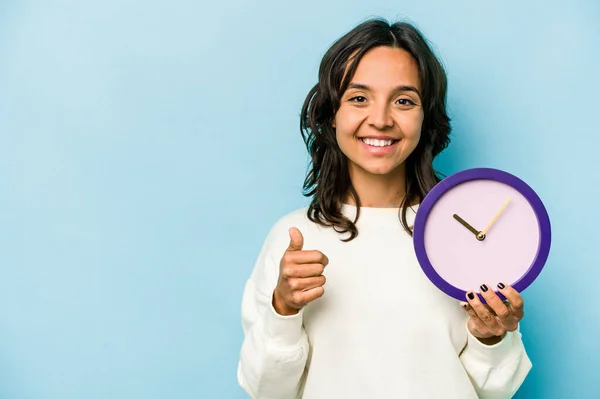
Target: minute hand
point(495, 217)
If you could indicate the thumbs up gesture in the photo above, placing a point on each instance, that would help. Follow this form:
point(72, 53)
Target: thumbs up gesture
point(301, 277)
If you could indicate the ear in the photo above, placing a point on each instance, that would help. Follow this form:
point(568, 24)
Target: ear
point(333, 122)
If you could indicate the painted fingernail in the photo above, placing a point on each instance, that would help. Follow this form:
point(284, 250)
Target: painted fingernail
point(484, 288)
point(471, 295)
point(501, 286)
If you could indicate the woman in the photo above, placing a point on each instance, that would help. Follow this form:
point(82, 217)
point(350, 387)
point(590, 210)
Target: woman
point(337, 305)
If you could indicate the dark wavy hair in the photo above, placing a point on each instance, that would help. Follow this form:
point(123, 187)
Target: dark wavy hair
point(327, 180)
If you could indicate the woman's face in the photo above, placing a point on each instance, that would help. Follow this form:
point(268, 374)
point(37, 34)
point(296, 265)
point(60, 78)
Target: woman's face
point(379, 121)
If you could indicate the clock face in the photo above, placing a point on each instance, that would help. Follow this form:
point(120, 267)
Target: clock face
point(481, 226)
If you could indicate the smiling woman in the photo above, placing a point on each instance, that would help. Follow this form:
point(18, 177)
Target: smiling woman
point(372, 124)
point(374, 84)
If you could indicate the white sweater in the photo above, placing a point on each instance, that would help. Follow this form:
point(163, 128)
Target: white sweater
point(381, 330)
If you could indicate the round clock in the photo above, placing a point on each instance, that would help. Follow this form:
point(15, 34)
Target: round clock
point(481, 226)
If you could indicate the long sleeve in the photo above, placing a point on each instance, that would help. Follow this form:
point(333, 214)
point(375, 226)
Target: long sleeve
point(275, 348)
point(496, 371)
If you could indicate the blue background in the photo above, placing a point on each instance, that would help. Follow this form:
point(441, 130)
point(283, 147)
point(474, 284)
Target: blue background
point(146, 147)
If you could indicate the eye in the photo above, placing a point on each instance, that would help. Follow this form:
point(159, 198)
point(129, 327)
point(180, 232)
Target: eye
point(358, 99)
point(406, 102)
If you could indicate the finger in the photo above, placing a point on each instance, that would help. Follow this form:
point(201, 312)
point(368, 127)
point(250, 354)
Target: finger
point(515, 300)
point(296, 240)
point(484, 314)
point(476, 322)
point(303, 271)
point(471, 312)
point(304, 257)
point(498, 308)
point(304, 297)
point(469, 309)
point(303, 284)
point(309, 283)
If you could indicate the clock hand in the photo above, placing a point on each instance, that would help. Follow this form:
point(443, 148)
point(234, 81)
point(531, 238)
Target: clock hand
point(495, 217)
point(464, 223)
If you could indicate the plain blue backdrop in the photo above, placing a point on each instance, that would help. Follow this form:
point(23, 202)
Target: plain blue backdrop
point(146, 147)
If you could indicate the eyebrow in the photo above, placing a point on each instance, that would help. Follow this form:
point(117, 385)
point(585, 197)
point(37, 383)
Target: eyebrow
point(360, 86)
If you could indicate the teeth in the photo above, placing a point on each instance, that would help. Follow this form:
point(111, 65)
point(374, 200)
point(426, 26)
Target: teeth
point(377, 143)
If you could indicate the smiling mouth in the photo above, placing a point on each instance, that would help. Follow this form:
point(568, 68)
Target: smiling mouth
point(378, 143)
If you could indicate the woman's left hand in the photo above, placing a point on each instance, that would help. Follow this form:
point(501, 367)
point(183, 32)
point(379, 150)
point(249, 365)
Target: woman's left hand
point(489, 323)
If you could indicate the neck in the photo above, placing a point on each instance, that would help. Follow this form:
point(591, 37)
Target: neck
point(378, 191)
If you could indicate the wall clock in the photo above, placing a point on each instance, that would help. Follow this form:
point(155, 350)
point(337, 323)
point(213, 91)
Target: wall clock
point(479, 226)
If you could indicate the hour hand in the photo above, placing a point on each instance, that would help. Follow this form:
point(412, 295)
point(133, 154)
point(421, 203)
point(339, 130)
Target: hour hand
point(467, 225)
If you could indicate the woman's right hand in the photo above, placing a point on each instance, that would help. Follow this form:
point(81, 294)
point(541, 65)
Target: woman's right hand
point(301, 276)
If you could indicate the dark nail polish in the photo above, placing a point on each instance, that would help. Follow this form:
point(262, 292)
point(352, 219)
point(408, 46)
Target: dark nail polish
point(501, 286)
point(484, 288)
point(471, 295)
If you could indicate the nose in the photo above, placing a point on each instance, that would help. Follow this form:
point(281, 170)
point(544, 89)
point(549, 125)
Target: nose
point(380, 117)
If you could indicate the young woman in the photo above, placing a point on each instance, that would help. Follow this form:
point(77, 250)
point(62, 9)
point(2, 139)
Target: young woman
point(337, 305)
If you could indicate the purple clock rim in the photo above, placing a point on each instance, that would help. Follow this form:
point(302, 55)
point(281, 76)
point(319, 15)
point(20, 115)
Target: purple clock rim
point(478, 174)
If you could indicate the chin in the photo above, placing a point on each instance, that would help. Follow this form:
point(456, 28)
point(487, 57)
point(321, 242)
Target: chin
point(380, 170)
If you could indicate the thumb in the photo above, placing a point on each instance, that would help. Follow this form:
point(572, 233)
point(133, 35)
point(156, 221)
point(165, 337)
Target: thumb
point(296, 240)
